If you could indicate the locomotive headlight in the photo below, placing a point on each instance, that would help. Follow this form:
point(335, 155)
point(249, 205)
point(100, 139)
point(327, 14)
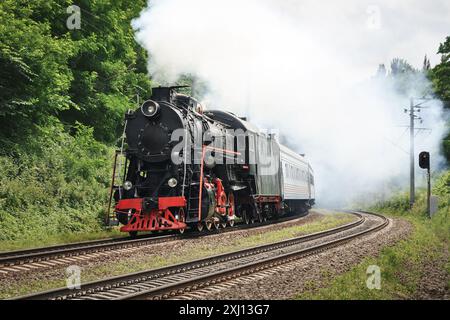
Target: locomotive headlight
point(127, 185)
point(150, 108)
point(172, 182)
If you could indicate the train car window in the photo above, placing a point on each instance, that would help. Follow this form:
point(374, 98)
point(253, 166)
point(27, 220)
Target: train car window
point(251, 143)
point(251, 149)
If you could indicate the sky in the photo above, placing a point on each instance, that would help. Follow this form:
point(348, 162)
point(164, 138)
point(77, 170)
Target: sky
point(383, 29)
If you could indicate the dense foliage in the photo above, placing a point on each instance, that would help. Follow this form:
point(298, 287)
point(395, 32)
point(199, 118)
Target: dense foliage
point(54, 184)
point(440, 76)
point(90, 75)
point(441, 73)
point(63, 94)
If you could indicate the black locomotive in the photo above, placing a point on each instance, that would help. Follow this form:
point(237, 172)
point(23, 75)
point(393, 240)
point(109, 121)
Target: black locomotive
point(190, 168)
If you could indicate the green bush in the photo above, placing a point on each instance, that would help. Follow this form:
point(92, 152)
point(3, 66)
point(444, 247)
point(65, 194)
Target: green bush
point(441, 188)
point(399, 203)
point(54, 183)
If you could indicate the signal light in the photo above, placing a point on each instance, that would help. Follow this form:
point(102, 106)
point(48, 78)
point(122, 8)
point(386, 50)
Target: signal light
point(424, 160)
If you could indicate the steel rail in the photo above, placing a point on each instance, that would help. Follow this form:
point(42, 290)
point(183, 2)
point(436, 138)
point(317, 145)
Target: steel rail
point(21, 257)
point(8, 259)
point(116, 287)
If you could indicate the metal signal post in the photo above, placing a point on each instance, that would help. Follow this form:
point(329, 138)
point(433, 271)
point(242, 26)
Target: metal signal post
point(424, 163)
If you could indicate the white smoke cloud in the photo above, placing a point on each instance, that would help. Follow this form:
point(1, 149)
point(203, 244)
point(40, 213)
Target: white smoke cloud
point(303, 67)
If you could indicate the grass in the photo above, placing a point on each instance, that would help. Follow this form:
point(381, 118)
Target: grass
point(194, 251)
point(58, 239)
point(402, 265)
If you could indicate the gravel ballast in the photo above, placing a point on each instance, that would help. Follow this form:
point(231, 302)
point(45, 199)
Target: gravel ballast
point(312, 272)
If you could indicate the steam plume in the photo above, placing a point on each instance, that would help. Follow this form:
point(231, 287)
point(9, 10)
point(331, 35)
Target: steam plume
point(306, 68)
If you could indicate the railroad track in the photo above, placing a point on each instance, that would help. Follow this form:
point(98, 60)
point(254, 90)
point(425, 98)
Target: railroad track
point(188, 277)
point(24, 260)
point(32, 259)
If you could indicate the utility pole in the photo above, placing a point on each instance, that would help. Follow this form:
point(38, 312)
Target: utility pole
point(412, 118)
point(411, 154)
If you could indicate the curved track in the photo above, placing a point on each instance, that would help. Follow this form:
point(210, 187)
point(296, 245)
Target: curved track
point(187, 277)
point(31, 259)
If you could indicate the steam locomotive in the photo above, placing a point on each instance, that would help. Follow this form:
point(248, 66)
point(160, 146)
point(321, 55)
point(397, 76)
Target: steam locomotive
point(188, 168)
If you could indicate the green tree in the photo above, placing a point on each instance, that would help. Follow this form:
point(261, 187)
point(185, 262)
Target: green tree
point(35, 75)
point(63, 95)
point(407, 80)
point(440, 76)
point(109, 68)
point(90, 76)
